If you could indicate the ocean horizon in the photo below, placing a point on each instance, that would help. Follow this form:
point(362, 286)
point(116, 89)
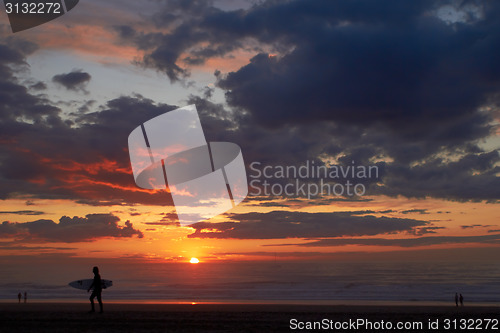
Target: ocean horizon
point(333, 282)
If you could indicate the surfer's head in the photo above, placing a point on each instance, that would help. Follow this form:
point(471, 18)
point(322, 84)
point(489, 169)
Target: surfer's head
point(95, 270)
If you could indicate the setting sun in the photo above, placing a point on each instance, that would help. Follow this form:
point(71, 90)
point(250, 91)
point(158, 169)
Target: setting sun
point(194, 260)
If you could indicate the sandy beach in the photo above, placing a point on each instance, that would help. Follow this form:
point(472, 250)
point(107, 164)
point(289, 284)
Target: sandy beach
point(73, 317)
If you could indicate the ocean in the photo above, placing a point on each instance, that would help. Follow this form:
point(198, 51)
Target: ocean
point(260, 281)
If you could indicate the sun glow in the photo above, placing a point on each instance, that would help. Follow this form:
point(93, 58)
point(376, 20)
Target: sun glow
point(194, 261)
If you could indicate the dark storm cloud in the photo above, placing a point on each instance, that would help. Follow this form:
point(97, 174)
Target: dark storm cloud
point(89, 163)
point(14, 51)
point(363, 80)
point(382, 81)
point(70, 230)
point(84, 158)
point(75, 80)
point(406, 242)
point(165, 50)
point(472, 177)
point(386, 63)
point(44, 156)
point(283, 224)
point(15, 101)
point(358, 66)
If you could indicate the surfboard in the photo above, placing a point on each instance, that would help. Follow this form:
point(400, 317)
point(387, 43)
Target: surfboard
point(86, 283)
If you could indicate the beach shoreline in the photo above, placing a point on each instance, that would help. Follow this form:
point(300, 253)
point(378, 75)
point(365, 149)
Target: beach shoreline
point(134, 317)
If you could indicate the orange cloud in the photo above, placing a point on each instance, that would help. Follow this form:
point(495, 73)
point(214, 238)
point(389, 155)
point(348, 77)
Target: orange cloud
point(88, 40)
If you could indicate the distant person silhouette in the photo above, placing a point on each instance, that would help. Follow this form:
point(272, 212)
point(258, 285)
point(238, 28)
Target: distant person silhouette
point(456, 299)
point(461, 300)
point(96, 292)
point(19, 297)
point(25, 297)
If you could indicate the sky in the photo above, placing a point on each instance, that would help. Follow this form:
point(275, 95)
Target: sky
point(411, 88)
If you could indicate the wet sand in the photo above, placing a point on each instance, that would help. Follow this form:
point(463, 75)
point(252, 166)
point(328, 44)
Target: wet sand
point(73, 317)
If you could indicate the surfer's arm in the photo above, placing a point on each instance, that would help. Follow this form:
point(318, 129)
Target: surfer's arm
point(91, 286)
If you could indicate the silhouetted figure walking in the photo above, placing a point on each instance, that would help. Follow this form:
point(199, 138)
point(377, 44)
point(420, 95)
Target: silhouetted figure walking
point(96, 292)
point(456, 299)
point(25, 297)
point(461, 300)
point(19, 297)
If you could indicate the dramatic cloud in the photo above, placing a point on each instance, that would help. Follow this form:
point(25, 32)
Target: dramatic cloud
point(405, 242)
point(70, 230)
point(391, 85)
point(396, 65)
point(283, 224)
point(75, 80)
point(352, 81)
point(15, 101)
point(45, 156)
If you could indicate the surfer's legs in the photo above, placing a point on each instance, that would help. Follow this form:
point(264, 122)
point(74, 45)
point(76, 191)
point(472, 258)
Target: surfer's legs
point(99, 299)
point(92, 301)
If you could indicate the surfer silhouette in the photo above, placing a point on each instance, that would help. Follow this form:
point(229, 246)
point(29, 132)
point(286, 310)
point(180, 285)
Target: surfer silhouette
point(96, 292)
